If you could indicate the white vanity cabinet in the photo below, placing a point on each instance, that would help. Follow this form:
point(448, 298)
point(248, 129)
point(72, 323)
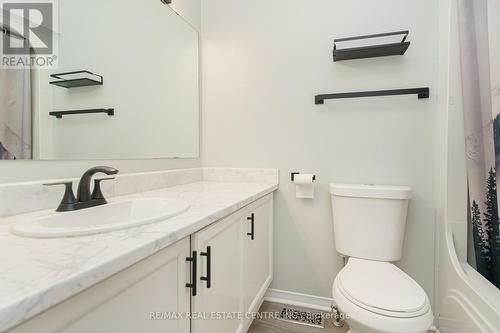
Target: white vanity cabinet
point(236, 257)
point(257, 254)
point(218, 275)
point(220, 262)
point(125, 302)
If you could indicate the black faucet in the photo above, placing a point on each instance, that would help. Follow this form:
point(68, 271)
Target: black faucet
point(84, 185)
point(84, 199)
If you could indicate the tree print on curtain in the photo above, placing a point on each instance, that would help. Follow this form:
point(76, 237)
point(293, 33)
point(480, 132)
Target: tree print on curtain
point(486, 233)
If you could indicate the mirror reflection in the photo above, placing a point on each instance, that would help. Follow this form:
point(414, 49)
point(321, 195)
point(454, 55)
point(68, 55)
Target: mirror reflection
point(115, 94)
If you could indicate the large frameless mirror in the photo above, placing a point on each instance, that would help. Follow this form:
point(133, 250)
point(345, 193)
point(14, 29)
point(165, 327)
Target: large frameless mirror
point(124, 83)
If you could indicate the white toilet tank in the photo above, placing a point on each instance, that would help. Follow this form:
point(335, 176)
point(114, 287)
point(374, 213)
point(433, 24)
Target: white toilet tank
point(369, 220)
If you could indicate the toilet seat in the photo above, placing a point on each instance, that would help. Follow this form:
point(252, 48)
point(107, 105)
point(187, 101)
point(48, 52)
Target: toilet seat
point(382, 288)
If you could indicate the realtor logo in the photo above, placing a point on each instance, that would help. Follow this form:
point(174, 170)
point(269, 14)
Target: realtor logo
point(28, 38)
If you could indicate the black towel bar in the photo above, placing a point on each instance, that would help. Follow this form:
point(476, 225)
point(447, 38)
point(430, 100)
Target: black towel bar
point(420, 92)
point(60, 114)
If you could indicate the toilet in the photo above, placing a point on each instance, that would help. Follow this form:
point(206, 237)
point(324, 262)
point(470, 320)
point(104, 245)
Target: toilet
point(375, 296)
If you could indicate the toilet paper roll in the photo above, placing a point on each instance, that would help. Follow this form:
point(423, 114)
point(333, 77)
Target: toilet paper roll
point(303, 179)
point(304, 186)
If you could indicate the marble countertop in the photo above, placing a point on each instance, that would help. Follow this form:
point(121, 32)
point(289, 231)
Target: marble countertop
point(36, 274)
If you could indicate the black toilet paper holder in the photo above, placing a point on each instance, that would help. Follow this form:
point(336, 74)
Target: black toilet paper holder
point(298, 173)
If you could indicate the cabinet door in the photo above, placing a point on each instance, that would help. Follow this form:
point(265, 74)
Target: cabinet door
point(223, 298)
point(258, 252)
point(137, 299)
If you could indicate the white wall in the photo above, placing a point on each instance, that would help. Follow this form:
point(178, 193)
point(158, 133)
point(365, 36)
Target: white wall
point(15, 171)
point(20, 171)
point(262, 64)
point(190, 10)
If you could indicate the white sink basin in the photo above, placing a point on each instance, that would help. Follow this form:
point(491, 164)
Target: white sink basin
point(105, 218)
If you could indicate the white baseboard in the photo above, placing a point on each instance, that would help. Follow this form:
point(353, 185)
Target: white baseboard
point(297, 299)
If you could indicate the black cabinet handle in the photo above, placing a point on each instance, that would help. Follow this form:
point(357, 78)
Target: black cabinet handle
point(252, 222)
point(208, 278)
point(193, 262)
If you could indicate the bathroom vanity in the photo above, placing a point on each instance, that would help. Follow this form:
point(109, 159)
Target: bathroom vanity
point(185, 274)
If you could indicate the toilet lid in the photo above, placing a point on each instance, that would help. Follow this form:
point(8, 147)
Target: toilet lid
point(382, 288)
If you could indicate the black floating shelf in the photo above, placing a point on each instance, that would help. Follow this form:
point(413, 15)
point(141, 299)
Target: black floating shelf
point(60, 114)
point(371, 51)
point(71, 79)
point(420, 92)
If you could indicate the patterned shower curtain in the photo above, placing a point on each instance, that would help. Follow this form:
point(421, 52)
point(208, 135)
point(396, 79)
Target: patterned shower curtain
point(480, 66)
point(15, 108)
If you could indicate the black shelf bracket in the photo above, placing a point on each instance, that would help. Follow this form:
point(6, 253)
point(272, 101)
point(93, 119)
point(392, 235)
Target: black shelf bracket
point(371, 51)
point(71, 79)
point(420, 92)
point(60, 114)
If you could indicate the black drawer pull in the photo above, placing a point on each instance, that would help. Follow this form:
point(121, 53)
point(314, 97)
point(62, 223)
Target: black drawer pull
point(252, 222)
point(208, 278)
point(193, 262)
